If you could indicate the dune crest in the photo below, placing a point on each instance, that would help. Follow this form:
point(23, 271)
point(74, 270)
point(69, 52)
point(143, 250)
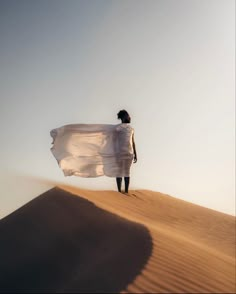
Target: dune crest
point(146, 242)
point(193, 247)
point(59, 242)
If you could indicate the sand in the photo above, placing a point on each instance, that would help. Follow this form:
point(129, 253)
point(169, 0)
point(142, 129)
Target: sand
point(74, 240)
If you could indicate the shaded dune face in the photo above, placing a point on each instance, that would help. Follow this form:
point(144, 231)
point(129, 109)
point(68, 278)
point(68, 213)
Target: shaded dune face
point(63, 243)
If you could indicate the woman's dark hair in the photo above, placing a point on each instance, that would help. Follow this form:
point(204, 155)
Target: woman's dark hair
point(124, 116)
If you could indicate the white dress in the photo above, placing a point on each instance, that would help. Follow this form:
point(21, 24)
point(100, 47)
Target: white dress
point(93, 150)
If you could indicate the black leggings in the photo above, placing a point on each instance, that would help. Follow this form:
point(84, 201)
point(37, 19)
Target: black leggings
point(119, 182)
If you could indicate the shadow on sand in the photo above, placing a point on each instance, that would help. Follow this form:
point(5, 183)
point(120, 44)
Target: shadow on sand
point(62, 243)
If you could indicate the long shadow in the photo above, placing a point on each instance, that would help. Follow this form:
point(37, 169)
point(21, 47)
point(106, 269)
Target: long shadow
point(62, 243)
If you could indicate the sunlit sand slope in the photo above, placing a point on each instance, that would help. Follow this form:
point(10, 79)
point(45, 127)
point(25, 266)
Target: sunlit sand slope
point(193, 247)
point(74, 240)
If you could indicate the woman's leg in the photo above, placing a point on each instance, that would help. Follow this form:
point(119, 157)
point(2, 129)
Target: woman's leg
point(126, 184)
point(118, 182)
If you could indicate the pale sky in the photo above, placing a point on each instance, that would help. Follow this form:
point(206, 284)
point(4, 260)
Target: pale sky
point(169, 63)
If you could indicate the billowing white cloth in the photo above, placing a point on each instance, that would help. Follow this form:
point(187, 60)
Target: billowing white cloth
point(93, 150)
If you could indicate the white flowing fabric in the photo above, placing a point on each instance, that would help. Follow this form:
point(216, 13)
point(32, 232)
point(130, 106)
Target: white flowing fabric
point(93, 150)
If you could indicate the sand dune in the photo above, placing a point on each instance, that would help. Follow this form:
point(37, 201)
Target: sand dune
point(104, 241)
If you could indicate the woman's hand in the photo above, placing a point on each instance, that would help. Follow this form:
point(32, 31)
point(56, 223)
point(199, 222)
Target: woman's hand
point(135, 158)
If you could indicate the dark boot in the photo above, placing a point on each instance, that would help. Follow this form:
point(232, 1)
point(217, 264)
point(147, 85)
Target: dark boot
point(118, 182)
point(126, 184)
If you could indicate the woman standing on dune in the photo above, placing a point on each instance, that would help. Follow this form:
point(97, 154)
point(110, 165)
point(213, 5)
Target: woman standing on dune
point(94, 150)
point(126, 138)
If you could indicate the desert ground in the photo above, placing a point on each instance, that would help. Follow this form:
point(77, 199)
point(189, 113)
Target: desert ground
point(74, 240)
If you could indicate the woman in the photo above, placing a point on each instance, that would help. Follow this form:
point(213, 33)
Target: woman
point(94, 150)
point(125, 139)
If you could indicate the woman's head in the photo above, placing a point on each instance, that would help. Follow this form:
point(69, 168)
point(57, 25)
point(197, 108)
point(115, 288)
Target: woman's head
point(124, 116)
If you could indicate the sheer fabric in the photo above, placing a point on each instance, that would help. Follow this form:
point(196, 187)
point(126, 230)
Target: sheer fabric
point(93, 150)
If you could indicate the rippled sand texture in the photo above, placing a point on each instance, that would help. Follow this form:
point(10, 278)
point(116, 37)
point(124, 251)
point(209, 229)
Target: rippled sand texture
point(74, 240)
point(193, 248)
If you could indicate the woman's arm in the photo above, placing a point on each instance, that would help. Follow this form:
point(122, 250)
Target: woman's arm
point(134, 147)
